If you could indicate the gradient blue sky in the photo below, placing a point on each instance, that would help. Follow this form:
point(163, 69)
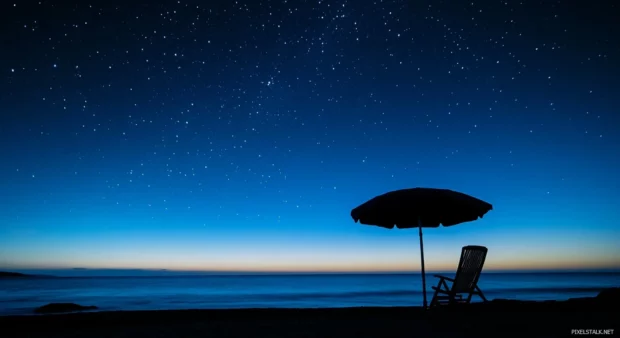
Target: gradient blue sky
point(239, 135)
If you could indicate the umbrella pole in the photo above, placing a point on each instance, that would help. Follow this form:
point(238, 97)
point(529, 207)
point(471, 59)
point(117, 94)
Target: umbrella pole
point(422, 259)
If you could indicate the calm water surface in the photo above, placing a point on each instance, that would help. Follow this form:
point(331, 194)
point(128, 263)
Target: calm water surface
point(20, 296)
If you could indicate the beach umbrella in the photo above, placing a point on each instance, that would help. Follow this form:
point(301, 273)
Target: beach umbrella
point(420, 208)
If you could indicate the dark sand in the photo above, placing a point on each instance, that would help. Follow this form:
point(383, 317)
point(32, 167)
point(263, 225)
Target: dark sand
point(493, 319)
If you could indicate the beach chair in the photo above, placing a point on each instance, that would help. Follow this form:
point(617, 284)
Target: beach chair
point(465, 283)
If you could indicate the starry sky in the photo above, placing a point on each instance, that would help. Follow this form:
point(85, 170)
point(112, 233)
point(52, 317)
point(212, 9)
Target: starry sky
point(238, 135)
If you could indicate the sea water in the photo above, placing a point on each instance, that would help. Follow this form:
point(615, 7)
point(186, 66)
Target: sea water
point(22, 295)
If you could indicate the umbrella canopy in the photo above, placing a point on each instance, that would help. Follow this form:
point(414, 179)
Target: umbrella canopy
point(420, 208)
point(428, 207)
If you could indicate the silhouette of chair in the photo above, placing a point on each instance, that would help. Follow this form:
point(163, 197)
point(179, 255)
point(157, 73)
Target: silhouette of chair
point(465, 283)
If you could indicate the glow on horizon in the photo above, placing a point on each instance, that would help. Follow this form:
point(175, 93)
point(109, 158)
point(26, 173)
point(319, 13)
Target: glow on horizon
point(404, 268)
point(389, 250)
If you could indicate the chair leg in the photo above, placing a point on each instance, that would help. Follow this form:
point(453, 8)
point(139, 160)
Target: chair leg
point(481, 294)
point(434, 300)
point(451, 299)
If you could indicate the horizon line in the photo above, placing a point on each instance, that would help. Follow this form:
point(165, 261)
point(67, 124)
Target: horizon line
point(299, 272)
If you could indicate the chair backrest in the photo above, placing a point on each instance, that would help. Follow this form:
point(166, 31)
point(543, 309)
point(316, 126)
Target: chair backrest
point(470, 267)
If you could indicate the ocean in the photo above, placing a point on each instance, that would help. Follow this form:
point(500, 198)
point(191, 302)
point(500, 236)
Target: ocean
point(21, 296)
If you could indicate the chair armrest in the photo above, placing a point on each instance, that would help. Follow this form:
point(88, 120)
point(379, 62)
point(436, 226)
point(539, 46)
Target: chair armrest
point(444, 277)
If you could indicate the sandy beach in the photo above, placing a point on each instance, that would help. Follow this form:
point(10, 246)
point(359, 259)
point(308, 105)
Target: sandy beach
point(496, 318)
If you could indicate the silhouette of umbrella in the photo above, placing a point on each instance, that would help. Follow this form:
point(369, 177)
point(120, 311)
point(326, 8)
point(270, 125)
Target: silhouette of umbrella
point(420, 208)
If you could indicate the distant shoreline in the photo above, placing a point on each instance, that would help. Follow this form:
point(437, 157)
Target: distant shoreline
point(5, 274)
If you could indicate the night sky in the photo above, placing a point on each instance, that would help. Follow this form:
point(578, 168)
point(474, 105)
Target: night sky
point(238, 135)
